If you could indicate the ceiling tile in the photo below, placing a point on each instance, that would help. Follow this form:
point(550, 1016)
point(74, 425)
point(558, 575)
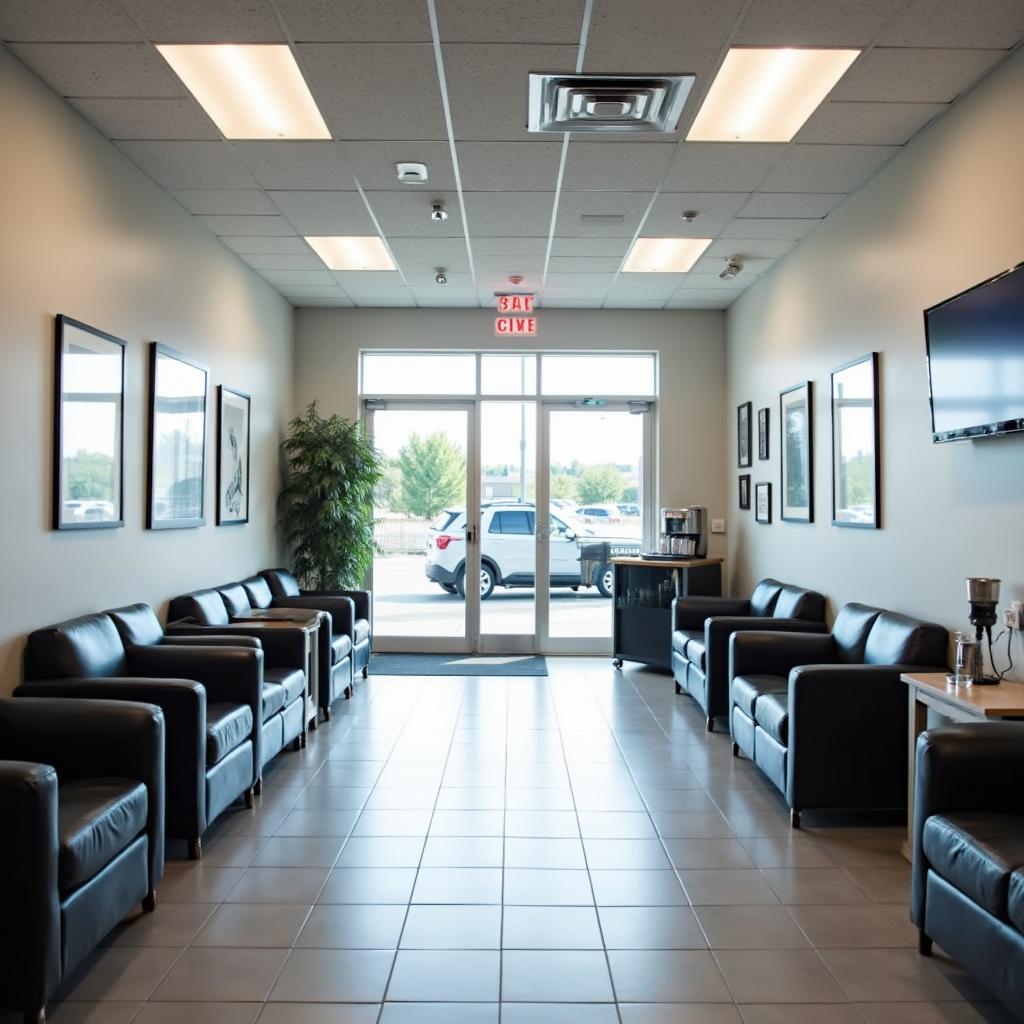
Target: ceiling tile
point(52, 21)
point(368, 280)
point(768, 248)
point(632, 167)
point(317, 296)
point(347, 82)
point(685, 300)
point(647, 285)
point(492, 283)
point(259, 244)
point(791, 204)
point(503, 267)
point(769, 227)
point(448, 252)
point(324, 213)
point(201, 21)
point(241, 225)
point(487, 86)
point(899, 75)
point(662, 27)
point(978, 24)
point(583, 264)
point(497, 245)
point(554, 299)
point(502, 166)
point(423, 277)
point(714, 211)
point(631, 300)
point(874, 124)
point(713, 283)
point(178, 165)
point(510, 21)
point(100, 69)
point(579, 282)
point(574, 205)
point(528, 213)
point(825, 168)
point(355, 21)
point(374, 164)
point(225, 200)
point(722, 166)
point(283, 261)
point(164, 118)
point(716, 264)
point(407, 214)
point(446, 296)
point(299, 278)
point(814, 22)
point(295, 165)
point(615, 247)
point(383, 298)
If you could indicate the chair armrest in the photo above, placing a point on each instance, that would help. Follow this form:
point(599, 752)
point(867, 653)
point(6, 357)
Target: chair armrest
point(777, 652)
point(282, 647)
point(360, 598)
point(966, 767)
point(691, 612)
point(183, 702)
point(341, 610)
point(30, 938)
point(718, 630)
point(211, 641)
point(228, 673)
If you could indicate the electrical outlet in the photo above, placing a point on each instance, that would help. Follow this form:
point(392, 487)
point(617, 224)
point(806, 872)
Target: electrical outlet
point(1012, 616)
point(718, 526)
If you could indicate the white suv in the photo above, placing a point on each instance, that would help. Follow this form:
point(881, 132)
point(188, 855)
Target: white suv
point(507, 551)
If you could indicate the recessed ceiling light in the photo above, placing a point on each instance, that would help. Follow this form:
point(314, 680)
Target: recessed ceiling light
point(664, 255)
point(250, 92)
point(352, 252)
point(766, 95)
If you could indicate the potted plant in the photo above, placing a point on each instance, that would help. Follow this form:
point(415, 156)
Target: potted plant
point(325, 508)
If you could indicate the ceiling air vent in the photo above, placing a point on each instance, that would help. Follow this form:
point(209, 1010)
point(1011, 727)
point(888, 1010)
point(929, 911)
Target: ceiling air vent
point(607, 103)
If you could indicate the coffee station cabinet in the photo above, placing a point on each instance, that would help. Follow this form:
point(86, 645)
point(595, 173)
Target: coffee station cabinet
point(645, 587)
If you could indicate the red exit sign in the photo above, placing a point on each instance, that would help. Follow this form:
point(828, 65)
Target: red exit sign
point(515, 325)
point(515, 303)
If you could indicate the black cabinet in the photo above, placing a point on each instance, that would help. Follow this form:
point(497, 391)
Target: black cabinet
point(644, 591)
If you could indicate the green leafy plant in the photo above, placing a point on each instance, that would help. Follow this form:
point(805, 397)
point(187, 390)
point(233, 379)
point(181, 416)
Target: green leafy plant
point(325, 508)
point(432, 473)
point(600, 484)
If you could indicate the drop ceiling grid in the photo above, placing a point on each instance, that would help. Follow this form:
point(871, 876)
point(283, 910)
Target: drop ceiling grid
point(519, 207)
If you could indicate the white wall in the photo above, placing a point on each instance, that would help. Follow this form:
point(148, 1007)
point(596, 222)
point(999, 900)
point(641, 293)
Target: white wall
point(87, 234)
point(691, 357)
point(946, 214)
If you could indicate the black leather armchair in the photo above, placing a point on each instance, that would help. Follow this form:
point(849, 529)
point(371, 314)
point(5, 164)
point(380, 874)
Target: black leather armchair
point(334, 638)
point(702, 627)
point(824, 716)
point(82, 805)
point(285, 589)
point(283, 713)
point(968, 832)
point(210, 697)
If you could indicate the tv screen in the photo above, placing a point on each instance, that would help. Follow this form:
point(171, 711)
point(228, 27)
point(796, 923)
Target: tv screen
point(976, 359)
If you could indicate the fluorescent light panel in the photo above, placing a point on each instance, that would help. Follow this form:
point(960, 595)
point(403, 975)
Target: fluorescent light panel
point(352, 252)
point(664, 255)
point(250, 92)
point(766, 95)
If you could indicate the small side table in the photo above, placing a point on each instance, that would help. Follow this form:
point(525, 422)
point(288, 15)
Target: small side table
point(296, 618)
point(961, 704)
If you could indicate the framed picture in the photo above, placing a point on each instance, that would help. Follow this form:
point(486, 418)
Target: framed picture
point(796, 415)
point(743, 435)
point(88, 428)
point(855, 444)
point(745, 491)
point(762, 503)
point(762, 434)
point(177, 441)
point(232, 456)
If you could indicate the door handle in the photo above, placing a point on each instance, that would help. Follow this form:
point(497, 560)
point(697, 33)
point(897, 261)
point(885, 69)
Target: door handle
point(470, 534)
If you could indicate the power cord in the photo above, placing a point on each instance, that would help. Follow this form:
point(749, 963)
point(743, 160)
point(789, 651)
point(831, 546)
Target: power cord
point(1009, 652)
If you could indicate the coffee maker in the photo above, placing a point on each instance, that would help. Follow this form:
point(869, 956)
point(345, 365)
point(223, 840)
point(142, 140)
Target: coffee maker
point(684, 532)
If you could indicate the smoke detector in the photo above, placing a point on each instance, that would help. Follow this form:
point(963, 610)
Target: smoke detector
point(607, 103)
point(688, 216)
point(438, 212)
point(733, 265)
point(441, 277)
point(411, 174)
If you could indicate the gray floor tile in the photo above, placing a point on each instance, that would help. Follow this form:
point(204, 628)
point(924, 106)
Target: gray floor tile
point(792, 1013)
point(756, 927)
point(381, 852)
point(74, 1012)
point(856, 927)
point(637, 889)
point(317, 822)
point(651, 928)
point(468, 823)
point(274, 926)
point(362, 926)
point(889, 975)
point(542, 824)
point(118, 973)
point(544, 853)
point(549, 927)
point(616, 825)
point(324, 1013)
point(333, 976)
point(197, 883)
point(554, 976)
point(458, 885)
point(629, 854)
point(815, 886)
point(667, 976)
point(559, 1013)
point(174, 926)
point(452, 927)
point(463, 852)
point(278, 885)
point(445, 976)
point(935, 1013)
point(222, 975)
point(368, 885)
point(299, 852)
point(729, 887)
point(393, 823)
point(538, 886)
point(439, 1013)
point(778, 976)
point(708, 853)
point(193, 1013)
point(679, 1013)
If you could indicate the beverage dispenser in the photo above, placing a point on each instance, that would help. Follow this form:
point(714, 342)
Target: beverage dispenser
point(684, 531)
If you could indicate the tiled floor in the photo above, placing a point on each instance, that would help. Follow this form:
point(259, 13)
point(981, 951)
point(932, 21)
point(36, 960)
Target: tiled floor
point(531, 850)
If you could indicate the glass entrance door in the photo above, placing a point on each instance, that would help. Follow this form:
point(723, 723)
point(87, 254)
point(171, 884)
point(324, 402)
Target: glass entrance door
point(424, 597)
point(596, 499)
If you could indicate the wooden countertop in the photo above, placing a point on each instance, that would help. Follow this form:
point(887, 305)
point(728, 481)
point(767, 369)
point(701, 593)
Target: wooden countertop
point(661, 563)
point(1003, 701)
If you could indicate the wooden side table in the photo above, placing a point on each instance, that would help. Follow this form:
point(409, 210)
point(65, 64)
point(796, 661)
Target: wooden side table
point(959, 703)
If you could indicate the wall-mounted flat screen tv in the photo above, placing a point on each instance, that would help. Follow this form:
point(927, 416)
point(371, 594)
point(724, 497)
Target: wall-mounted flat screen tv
point(976, 359)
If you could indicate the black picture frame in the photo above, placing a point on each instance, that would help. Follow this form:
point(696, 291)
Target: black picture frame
point(856, 496)
point(89, 495)
point(744, 458)
point(233, 461)
point(763, 445)
point(763, 503)
point(176, 500)
point(796, 453)
point(745, 491)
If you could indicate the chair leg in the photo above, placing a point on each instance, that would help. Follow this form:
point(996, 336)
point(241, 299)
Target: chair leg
point(735, 750)
point(679, 689)
point(366, 671)
point(297, 743)
point(328, 713)
point(195, 849)
point(35, 1016)
point(924, 943)
point(348, 693)
point(149, 901)
point(250, 798)
point(794, 818)
point(257, 786)
point(709, 723)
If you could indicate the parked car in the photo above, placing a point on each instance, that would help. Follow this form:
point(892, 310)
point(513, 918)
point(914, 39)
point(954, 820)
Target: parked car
point(629, 509)
point(508, 551)
point(606, 513)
